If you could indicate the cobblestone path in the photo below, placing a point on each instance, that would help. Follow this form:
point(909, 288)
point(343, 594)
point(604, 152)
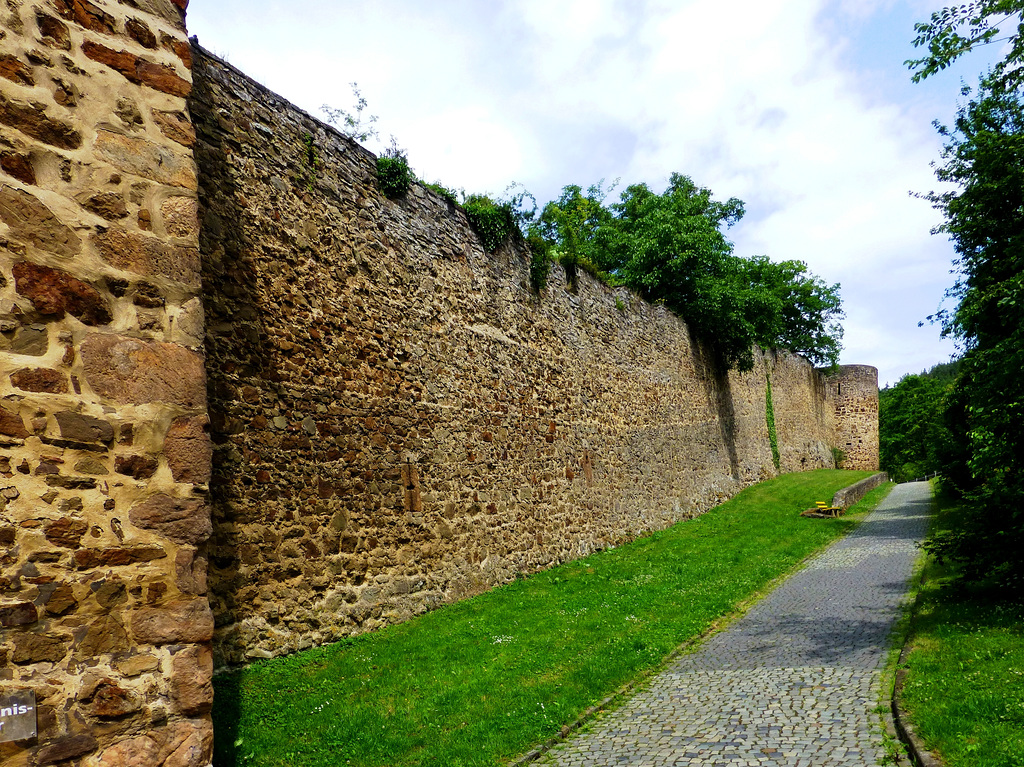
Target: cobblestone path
point(795, 681)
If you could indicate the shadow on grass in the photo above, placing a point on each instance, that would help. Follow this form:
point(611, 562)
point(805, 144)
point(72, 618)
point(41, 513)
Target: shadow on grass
point(227, 712)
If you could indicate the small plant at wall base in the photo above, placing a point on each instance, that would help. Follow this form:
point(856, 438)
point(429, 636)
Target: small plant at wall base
point(838, 456)
point(769, 413)
point(393, 173)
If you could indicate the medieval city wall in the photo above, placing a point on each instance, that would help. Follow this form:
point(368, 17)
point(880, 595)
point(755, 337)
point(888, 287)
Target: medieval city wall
point(397, 420)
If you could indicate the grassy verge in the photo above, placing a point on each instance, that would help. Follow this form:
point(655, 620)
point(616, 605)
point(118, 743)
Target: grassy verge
point(480, 681)
point(965, 679)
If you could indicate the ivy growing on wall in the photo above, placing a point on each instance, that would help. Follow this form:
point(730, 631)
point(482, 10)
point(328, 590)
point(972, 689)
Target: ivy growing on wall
point(769, 413)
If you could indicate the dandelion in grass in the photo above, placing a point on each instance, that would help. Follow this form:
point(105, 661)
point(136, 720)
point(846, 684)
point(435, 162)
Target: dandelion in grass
point(502, 639)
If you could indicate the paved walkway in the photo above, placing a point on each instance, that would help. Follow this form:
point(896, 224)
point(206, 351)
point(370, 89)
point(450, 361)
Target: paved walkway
point(795, 681)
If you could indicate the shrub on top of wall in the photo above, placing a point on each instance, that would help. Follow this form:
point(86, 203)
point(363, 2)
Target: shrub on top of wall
point(393, 173)
point(493, 221)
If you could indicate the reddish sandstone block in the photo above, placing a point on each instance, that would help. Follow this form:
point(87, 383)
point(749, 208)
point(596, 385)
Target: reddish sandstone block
point(141, 157)
point(133, 371)
point(15, 70)
point(11, 425)
point(176, 126)
point(40, 380)
point(66, 532)
point(55, 292)
point(54, 32)
point(85, 14)
point(135, 69)
point(189, 450)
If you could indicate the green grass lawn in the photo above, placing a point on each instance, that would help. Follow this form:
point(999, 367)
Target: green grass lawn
point(481, 681)
point(965, 678)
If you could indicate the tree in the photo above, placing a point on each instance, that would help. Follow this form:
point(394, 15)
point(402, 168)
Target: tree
point(670, 247)
point(958, 29)
point(984, 218)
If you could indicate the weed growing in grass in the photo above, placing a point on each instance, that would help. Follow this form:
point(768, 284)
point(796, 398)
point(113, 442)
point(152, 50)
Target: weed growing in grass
point(479, 682)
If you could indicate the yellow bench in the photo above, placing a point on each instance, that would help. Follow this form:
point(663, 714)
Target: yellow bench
point(824, 508)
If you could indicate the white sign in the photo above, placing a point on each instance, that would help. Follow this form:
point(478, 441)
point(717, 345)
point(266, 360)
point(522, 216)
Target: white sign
point(17, 715)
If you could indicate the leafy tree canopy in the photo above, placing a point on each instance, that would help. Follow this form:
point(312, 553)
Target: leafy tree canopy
point(958, 29)
point(670, 247)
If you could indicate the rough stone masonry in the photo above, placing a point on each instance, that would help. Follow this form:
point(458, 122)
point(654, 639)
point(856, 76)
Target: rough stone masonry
point(397, 421)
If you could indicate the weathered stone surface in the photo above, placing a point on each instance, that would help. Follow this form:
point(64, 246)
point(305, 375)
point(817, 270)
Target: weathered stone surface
point(54, 292)
point(134, 371)
point(11, 424)
point(142, 157)
point(32, 222)
point(66, 747)
point(137, 664)
point(112, 701)
point(181, 520)
point(180, 621)
point(187, 743)
point(83, 428)
point(136, 466)
point(62, 600)
point(34, 648)
point(86, 559)
point(33, 340)
point(66, 532)
point(181, 217)
point(54, 32)
point(86, 14)
point(17, 614)
point(190, 571)
point(109, 205)
point(139, 70)
point(140, 33)
point(19, 166)
point(15, 70)
point(40, 380)
point(192, 680)
point(91, 466)
point(189, 450)
point(105, 634)
point(148, 255)
point(31, 119)
point(176, 126)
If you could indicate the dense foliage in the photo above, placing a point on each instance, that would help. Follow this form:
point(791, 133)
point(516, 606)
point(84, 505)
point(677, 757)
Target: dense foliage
point(912, 432)
point(670, 247)
point(393, 172)
point(984, 218)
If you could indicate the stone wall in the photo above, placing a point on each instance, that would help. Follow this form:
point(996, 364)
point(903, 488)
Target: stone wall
point(399, 422)
point(853, 392)
point(103, 452)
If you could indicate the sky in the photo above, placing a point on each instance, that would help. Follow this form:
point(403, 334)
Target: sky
point(803, 109)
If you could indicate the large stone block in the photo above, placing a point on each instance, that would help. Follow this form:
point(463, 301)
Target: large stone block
point(34, 223)
point(83, 428)
point(180, 520)
point(189, 450)
point(150, 256)
point(192, 680)
point(142, 157)
point(54, 292)
point(31, 119)
point(181, 621)
point(133, 371)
